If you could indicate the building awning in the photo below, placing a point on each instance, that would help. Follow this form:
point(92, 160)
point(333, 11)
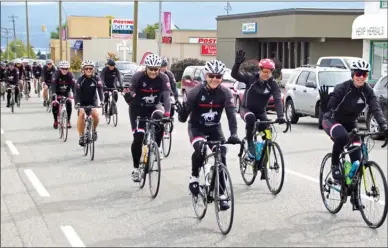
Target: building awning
point(370, 27)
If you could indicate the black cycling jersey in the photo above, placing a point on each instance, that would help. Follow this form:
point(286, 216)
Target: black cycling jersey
point(206, 106)
point(63, 84)
point(147, 91)
point(2, 74)
point(347, 102)
point(27, 72)
point(86, 88)
point(258, 93)
point(12, 76)
point(172, 80)
point(108, 77)
point(21, 71)
point(37, 71)
point(47, 74)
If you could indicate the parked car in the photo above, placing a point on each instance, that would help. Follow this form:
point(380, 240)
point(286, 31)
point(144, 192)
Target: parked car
point(381, 92)
point(194, 75)
point(302, 96)
point(286, 73)
point(126, 69)
point(99, 66)
point(336, 61)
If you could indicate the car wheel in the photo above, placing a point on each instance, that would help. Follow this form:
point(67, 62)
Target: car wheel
point(373, 126)
point(238, 104)
point(290, 112)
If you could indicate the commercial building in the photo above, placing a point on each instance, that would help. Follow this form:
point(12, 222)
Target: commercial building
point(371, 27)
point(296, 36)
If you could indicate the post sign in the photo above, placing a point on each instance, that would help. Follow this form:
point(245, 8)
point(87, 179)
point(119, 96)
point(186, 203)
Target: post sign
point(249, 28)
point(167, 40)
point(209, 50)
point(203, 40)
point(122, 29)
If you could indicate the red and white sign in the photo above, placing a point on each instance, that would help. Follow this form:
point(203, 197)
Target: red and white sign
point(203, 40)
point(167, 40)
point(209, 50)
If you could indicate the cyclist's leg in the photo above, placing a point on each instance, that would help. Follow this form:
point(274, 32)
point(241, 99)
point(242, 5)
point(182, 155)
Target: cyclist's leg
point(81, 125)
point(340, 136)
point(9, 91)
point(106, 99)
point(21, 84)
point(68, 110)
point(17, 92)
point(29, 85)
point(157, 113)
point(36, 89)
point(115, 95)
point(250, 118)
point(96, 119)
point(355, 141)
point(45, 93)
point(262, 117)
point(197, 137)
point(55, 109)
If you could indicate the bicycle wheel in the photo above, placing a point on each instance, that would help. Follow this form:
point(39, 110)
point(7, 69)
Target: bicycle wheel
point(48, 106)
point(167, 140)
point(86, 140)
point(38, 88)
point(12, 102)
point(247, 164)
point(153, 168)
point(373, 193)
point(114, 114)
point(274, 169)
point(107, 114)
point(227, 195)
point(329, 186)
point(64, 124)
point(201, 198)
point(91, 141)
point(60, 122)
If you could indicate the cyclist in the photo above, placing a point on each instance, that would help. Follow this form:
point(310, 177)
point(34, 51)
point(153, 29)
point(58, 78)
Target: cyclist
point(144, 100)
point(63, 83)
point(259, 88)
point(342, 108)
point(19, 65)
point(27, 73)
point(12, 77)
point(2, 77)
point(48, 72)
point(172, 80)
point(108, 76)
point(86, 88)
point(36, 73)
point(205, 104)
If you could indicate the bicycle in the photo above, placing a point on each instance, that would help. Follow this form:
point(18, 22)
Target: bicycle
point(150, 154)
point(259, 165)
point(48, 103)
point(27, 82)
point(89, 137)
point(354, 188)
point(3, 90)
point(167, 137)
point(63, 119)
point(12, 100)
point(210, 187)
point(110, 109)
point(38, 87)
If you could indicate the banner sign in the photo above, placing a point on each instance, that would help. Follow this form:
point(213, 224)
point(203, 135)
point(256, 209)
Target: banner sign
point(122, 29)
point(166, 24)
point(209, 50)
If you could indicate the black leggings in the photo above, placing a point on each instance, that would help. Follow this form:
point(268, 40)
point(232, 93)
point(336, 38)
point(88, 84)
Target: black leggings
point(55, 109)
point(250, 118)
point(338, 132)
point(114, 93)
point(9, 95)
point(155, 112)
point(28, 85)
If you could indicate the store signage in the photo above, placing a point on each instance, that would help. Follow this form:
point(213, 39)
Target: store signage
point(370, 32)
point(203, 40)
point(249, 28)
point(209, 50)
point(122, 29)
point(167, 40)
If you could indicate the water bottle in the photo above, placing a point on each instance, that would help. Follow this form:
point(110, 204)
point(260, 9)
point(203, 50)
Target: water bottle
point(348, 167)
point(354, 168)
point(259, 148)
point(207, 174)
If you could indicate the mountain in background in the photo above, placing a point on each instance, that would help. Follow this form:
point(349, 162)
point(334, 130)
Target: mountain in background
point(185, 15)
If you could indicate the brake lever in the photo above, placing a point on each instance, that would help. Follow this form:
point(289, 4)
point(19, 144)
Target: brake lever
point(288, 128)
point(385, 143)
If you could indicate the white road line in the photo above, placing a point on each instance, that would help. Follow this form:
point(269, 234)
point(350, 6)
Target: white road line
point(36, 183)
point(12, 148)
point(72, 236)
point(2, 131)
point(381, 202)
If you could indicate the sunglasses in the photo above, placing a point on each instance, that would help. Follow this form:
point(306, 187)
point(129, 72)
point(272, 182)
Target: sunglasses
point(218, 76)
point(361, 73)
point(88, 69)
point(64, 69)
point(153, 68)
point(49, 64)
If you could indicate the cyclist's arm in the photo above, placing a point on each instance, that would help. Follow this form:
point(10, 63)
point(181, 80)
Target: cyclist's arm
point(236, 74)
point(336, 96)
point(374, 106)
point(77, 98)
point(54, 83)
point(102, 76)
point(118, 78)
point(99, 90)
point(173, 84)
point(17, 76)
point(189, 105)
point(230, 111)
point(134, 83)
point(277, 96)
point(166, 90)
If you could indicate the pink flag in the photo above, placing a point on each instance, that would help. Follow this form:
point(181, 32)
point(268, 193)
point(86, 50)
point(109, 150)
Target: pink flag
point(166, 24)
point(63, 33)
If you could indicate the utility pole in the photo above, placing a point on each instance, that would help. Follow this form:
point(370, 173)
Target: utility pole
point(13, 17)
point(228, 8)
point(6, 31)
point(135, 36)
point(160, 29)
point(28, 33)
point(60, 30)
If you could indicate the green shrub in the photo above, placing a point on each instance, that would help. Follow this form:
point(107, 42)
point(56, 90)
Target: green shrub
point(75, 63)
point(179, 67)
point(250, 66)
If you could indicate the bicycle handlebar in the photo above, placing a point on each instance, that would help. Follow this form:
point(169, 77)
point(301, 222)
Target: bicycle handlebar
point(218, 142)
point(288, 128)
point(364, 134)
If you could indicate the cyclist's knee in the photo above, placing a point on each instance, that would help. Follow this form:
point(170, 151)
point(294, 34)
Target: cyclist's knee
point(81, 113)
point(138, 136)
point(94, 113)
point(249, 118)
point(157, 114)
point(106, 96)
point(68, 104)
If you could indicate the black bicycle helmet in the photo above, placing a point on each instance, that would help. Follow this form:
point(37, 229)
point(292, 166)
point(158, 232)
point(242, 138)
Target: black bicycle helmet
point(164, 62)
point(111, 62)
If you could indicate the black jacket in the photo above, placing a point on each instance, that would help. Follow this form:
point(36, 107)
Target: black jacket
point(347, 102)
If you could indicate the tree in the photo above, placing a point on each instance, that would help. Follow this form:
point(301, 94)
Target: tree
point(38, 54)
point(112, 56)
point(21, 50)
point(149, 30)
point(55, 34)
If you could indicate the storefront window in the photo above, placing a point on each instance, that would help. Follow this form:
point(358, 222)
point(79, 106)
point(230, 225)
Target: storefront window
point(383, 3)
point(379, 59)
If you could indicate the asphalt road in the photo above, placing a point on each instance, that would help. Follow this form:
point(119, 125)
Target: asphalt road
point(51, 195)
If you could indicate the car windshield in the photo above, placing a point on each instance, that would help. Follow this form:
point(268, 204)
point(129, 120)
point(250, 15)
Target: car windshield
point(227, 76)
point(126, 66)
point(348, 62)
point(332, 78)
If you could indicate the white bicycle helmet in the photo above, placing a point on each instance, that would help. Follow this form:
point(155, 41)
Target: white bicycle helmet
point(360, 65)
point(215, 66)
point(26, 60)
point(153, 60)
point(18, 61)
point(64, 64)
point(87, 63)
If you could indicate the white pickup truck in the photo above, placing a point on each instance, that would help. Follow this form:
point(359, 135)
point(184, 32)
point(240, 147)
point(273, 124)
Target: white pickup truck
point(336, 61)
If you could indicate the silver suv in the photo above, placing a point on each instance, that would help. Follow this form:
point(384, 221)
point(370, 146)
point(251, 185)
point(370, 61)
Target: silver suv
point(302, 96)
